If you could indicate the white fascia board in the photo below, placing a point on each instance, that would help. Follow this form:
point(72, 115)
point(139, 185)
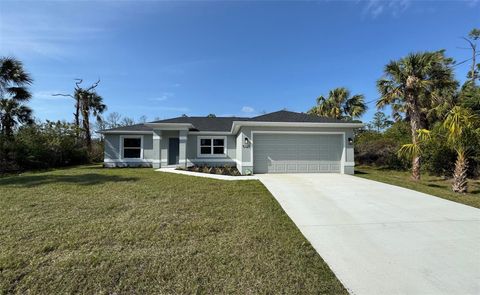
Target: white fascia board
point(210, 132)
point(237, 124)
point(124, 132)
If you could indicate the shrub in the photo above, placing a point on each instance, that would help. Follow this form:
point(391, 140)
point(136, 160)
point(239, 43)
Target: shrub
point(46, 145)
point(374, 148)
point(225, 170)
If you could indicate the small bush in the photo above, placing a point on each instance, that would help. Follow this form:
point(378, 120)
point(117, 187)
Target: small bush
point(224, 170)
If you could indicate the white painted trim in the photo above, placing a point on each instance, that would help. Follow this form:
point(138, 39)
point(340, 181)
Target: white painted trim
point(349, 164)
point(213, 160)
point(344, 149)
point(122, 137)
point(237, 124)
point(125, 132)
point(208, 156)
point(209, 132)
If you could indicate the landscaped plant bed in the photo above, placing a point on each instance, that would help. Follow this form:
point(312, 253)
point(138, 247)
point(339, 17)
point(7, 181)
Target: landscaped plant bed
point(221, 170)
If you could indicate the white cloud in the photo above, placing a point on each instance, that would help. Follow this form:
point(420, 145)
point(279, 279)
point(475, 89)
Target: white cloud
point(247, 109)
point(375, 8)
point(163, 96)
point(473, 3)
point(42, 31)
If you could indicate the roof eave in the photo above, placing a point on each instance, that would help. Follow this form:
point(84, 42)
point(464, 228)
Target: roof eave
point(237, 124)
point(124, 132)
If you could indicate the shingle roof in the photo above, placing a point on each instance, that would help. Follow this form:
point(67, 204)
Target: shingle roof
point(206, 123)
point(287, 116)
point(136, 127)
point(225, 123)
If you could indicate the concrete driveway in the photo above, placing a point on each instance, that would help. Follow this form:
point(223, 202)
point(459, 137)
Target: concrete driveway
point(383, 239)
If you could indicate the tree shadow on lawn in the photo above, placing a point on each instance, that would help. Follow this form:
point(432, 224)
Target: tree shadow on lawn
point(81, 179)
point(436, 185)
point(360, 172)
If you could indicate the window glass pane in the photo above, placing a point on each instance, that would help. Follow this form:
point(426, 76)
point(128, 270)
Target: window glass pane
point(132, 142)
point(205, 150)
point(218, 150)
point(131, 153)
point(205, 141)
point(218, 142)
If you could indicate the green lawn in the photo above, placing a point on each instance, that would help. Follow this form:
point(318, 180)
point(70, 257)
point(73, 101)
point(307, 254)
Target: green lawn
point(94, 230)
point(432, 185)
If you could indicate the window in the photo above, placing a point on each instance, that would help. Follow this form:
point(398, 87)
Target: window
point(211, 146)
point(132, 147)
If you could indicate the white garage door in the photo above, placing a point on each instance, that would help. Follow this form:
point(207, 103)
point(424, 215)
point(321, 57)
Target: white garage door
point(297, 153)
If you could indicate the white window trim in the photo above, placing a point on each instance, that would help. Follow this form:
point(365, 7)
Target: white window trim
point(200, 155)
point(122, 137)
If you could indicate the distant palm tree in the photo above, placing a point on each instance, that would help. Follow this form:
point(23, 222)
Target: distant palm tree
point(13, 113)
point(340, 105)
point(90, 103)
point(14, 81)
point(414, 85)
point(460, 125)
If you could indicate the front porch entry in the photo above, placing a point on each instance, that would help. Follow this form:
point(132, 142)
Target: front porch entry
point(173, 150)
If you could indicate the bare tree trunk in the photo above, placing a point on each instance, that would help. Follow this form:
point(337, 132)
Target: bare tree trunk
point(86, 127)
point(474, 63)
point(77, 117)
point(460, 182)
point(415, 124)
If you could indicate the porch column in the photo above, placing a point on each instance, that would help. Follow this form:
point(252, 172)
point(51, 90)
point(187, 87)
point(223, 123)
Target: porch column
point(157, 137)
point(182, 151)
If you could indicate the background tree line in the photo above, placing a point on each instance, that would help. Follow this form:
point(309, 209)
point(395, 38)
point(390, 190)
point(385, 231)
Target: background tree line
point(434, 125)
point(436, 122)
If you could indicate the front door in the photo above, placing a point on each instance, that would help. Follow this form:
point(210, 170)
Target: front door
point(173, 151)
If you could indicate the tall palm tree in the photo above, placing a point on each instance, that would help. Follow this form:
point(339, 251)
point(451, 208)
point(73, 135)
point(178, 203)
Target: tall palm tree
point(460, 125)
point(414, 85)
point(90, 104)
point(340, 105)
point(14, 82)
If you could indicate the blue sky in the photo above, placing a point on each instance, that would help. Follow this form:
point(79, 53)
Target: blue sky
point(166, 58)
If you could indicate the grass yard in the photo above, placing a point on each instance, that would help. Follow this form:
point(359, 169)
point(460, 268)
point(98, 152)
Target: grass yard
point(94, 230)
point(432, 185)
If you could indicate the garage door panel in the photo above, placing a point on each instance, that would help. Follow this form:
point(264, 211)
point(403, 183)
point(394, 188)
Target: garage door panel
point(290, 153)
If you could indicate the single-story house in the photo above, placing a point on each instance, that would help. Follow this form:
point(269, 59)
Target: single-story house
point(278, 142)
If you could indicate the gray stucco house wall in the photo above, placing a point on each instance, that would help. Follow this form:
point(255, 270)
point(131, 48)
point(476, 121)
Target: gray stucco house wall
point(272, 143)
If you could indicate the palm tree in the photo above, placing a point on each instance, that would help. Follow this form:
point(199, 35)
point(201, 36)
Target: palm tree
point(460, 125)
point(340, 105)
point(414, 85)
point(13, 113)
point(14, 81)
point(90, 103)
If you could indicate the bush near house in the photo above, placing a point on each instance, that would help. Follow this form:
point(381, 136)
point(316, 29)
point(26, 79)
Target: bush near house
point(224, 170)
